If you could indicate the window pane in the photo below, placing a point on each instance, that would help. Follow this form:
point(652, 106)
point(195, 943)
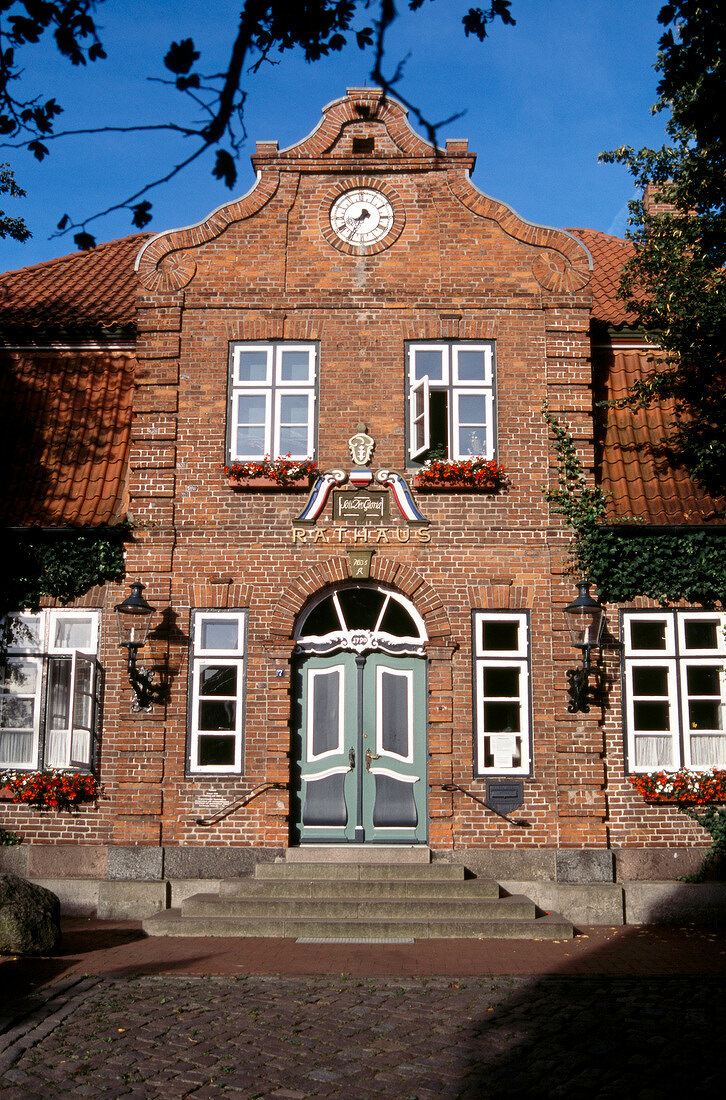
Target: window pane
point(501, 682)
point(471, 365)
point(216, 751)
point(293, 441)
point(16, 748)
point(653, 752)
point(647, 634)
point(25, 633)
point(294, 408)
point(500, 636)
point(250, 441)
point(700, 633)
point(19, 677)
point(72, 633)
point(16, 713)
point(294, 366)
point(82, 696)
point(651, 716)
point(220, 634)
point(472, 408)
point(323, 619)
point(501, 717)
point(60, 692)
point(704, 714)
point(429, 362)
point(703, 680)
point(360, 607)
point(252, 365)
point(708, 752)
point(650, 681)
point(472, 441)
point(217, 715)
point(398, 622)
point(218, 680)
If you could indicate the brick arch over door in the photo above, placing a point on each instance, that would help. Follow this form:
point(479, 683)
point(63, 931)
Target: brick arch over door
point(332, 571)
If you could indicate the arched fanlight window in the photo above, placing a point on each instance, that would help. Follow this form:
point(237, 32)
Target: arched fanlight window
point(361, 617)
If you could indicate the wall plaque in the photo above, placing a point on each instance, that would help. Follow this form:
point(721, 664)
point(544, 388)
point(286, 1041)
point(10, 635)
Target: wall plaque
point(365, 506)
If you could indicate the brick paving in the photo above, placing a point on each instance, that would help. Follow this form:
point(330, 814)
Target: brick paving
point(633, 1013)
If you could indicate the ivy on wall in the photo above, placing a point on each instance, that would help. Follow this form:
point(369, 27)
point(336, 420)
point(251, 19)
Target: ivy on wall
point(62, 564)
point(625, 562)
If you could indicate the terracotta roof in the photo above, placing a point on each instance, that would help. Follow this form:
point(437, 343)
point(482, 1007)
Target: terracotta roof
point(608, 256)
point(632, 465)
point(65, 422)
point(96, 288)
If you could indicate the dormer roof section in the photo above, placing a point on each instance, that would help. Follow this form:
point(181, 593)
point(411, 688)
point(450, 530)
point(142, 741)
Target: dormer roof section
point(363, 130)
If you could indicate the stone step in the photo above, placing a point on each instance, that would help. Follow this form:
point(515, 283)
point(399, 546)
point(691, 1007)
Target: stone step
point(444, 872)
point(467, 909)
point(358, 888)
point(358, 853)
point(172, 922)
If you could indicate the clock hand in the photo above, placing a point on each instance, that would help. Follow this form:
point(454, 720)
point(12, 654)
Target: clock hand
point(357, 222)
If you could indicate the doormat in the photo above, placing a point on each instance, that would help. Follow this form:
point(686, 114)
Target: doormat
point(351, 939)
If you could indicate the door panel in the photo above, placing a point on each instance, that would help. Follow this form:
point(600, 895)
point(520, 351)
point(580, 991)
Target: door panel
point(362, 749)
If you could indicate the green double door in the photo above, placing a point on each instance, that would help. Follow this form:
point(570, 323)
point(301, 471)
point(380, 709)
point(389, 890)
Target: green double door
point(361, 749)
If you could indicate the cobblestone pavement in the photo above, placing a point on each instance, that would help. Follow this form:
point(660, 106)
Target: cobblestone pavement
point(365, 1038)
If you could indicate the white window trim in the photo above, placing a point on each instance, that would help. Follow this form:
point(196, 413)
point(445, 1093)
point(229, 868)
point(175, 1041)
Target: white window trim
point(272, 389)
point(676, 658)
point(42, 657)
point(519, 659)
point(455, 388)
point(199, 659)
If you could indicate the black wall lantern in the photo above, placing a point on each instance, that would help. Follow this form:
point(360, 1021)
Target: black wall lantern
point(133, 618)
point(584, 618)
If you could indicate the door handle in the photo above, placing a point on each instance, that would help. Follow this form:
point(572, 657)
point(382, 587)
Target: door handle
point(370, 756)
point(351, 759)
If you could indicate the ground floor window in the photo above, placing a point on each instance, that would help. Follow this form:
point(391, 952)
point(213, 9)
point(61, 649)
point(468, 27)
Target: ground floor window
point(674, 689)
point(216, 691)
point(49, 686)
point(502, 743)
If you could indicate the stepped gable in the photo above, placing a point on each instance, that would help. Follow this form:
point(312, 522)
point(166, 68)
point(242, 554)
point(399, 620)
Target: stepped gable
point(363, 123)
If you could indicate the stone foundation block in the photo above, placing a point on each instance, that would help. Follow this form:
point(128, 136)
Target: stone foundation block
point(139, 862)
point(675, 903)
point(656, 864)
point(67, 861)
point(131, 900)
point(78, 897)
point(584, 865)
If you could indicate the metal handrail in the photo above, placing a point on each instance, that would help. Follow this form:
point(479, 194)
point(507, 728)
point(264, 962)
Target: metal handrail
point(240, 802)
point(518, 821)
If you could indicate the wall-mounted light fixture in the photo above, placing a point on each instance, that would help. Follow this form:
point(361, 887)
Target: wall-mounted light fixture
point(584, 618)
point(133, 618)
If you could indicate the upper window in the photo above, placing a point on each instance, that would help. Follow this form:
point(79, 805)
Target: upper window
point(450, 401)
point(272, 401)
point(501, 693)
point(674, 681)
point(49, 684)
point(217, 682)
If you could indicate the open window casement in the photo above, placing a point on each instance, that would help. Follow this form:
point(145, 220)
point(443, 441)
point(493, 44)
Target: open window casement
point(419, 417)
point(71, 711)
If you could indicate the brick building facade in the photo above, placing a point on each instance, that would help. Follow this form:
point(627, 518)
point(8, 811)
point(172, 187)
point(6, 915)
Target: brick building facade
point(314, 694)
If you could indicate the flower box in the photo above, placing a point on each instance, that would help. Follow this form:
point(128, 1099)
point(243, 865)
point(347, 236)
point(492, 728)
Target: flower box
point(684, 786)
point(277, 475)
point(470, 475)
point(451, 486)
point(268, 484)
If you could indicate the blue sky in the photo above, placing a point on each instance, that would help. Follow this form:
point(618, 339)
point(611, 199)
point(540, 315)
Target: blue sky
point(541, 100)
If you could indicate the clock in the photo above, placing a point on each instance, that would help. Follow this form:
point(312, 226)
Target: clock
point(362, 216)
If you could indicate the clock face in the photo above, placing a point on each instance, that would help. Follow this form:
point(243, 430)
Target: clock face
point(361, 216)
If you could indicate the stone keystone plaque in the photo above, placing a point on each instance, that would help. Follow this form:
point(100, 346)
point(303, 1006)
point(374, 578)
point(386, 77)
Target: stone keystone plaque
point(365, 506)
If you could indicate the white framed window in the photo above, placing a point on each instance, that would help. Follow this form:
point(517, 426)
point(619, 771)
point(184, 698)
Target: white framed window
point(674, 689)
point(272, 400)
point(49, 686)
point(217, 691)
point(450, 389)
point(502, 710)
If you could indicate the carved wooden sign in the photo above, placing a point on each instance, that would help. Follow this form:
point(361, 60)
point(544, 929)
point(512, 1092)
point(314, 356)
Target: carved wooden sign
point(364, 506)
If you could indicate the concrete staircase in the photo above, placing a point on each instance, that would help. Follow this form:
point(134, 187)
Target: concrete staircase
point(359, 901)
